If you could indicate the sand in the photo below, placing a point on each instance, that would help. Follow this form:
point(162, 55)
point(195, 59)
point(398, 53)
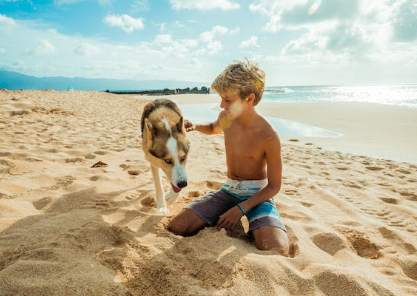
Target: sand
point(77, 213)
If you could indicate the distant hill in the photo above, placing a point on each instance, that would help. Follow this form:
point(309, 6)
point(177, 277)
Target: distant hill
point(16, 81)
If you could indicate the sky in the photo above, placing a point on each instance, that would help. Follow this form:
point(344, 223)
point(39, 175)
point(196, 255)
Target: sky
point(296, 42)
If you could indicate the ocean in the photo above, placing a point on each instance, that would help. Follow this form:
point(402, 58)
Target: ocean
point(398, 95)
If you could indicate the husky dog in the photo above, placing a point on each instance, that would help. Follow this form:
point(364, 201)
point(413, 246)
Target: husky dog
point(166, 147)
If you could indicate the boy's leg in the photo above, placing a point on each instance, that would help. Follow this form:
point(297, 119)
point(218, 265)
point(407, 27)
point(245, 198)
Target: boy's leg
point(186, 223)
point(271, 238)
point(203, 211)
point(267, 228)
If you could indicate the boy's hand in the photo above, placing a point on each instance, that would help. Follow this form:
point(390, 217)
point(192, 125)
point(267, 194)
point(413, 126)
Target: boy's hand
point(189, 126)
point(229, 219)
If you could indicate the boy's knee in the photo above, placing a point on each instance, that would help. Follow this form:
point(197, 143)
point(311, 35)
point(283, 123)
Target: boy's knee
point(272, 239)
point(175, 227)
point(281, 248)
point(180, 226)
point(186, 223)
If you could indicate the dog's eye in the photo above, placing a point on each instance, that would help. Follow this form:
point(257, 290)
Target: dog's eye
point(168, 160)
point(182, 158)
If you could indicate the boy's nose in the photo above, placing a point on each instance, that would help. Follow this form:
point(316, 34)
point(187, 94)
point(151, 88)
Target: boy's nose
point(222, 105)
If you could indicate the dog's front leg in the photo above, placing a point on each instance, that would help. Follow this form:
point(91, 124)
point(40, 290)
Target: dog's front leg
point(160, 200)
point(171, 196)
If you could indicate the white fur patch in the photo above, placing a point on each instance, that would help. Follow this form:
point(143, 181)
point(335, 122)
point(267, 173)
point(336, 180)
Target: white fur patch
point(167, 126)
point(178, 171)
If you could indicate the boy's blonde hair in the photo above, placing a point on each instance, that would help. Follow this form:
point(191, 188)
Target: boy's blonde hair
point(241, 78)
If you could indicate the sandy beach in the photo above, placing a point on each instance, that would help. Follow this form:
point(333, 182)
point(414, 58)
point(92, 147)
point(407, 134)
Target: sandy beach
point(77, 212)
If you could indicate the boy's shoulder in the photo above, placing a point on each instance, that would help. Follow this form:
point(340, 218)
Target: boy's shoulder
point(265, 129)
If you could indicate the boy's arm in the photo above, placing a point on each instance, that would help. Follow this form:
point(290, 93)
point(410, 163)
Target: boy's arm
point(211, 128)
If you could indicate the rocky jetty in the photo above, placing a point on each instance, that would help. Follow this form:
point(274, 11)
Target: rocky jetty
point(166, 91)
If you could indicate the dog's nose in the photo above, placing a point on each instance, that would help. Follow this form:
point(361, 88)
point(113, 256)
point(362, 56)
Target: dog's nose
point(182, 184)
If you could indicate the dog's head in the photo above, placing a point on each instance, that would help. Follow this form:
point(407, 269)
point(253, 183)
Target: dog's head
point(166, 146)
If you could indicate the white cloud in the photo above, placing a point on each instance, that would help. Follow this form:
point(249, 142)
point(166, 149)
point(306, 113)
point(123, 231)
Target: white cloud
point(140, 5)
point(302, 13)
point(311, 42)
point(208, 36)
point(44, 48)
point(405, 21)
point(251, 42)
point(163, 38)
point(86, 49)
point(216, 31)
point(353, 30)
point(204, 5)
point(75, 55)
point(6, 21)
point(125, 22)
point(214, 47)
point(190, 42)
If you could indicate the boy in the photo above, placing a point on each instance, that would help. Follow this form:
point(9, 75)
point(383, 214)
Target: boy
point(253, 159)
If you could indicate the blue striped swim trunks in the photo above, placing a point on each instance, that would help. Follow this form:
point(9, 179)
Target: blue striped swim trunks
point(209, 207)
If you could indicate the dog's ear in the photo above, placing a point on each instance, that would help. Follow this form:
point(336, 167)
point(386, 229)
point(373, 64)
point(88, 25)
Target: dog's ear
point(149, 130)
point(180, 125)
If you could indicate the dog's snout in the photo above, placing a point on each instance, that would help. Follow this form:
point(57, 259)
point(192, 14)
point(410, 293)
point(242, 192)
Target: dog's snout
point(182, 184)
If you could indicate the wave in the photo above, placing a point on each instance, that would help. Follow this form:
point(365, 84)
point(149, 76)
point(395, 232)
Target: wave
point(284, 90)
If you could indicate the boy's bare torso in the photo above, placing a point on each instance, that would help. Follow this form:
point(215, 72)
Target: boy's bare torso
point(245, 149)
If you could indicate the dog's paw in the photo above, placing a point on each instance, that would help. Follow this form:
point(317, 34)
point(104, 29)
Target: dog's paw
point(163, 210)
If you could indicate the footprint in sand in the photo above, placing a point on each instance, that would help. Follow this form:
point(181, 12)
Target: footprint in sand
point(353, 185)
point(148, 202)
point(100, 152)
point(409, 267)
point(291, 192)
point(330, 242)
point(334, 282)
point(390, 200)
point(342, 168)
point(363, 246)
point(214, 185)
point(409, 195)
point(196, 193)
point(42, 203)
point(374, 168)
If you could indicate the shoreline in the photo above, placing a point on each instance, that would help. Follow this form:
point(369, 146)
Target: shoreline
point(375, 130)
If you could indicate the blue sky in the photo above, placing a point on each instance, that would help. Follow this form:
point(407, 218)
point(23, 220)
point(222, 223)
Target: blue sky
point(297, 42)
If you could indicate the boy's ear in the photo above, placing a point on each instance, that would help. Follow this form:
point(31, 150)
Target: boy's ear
point(250, 97)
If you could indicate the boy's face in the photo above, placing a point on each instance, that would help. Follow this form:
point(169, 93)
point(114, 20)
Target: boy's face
point(233, 105)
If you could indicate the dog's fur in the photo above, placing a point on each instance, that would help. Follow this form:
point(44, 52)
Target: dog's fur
point(166, 147)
